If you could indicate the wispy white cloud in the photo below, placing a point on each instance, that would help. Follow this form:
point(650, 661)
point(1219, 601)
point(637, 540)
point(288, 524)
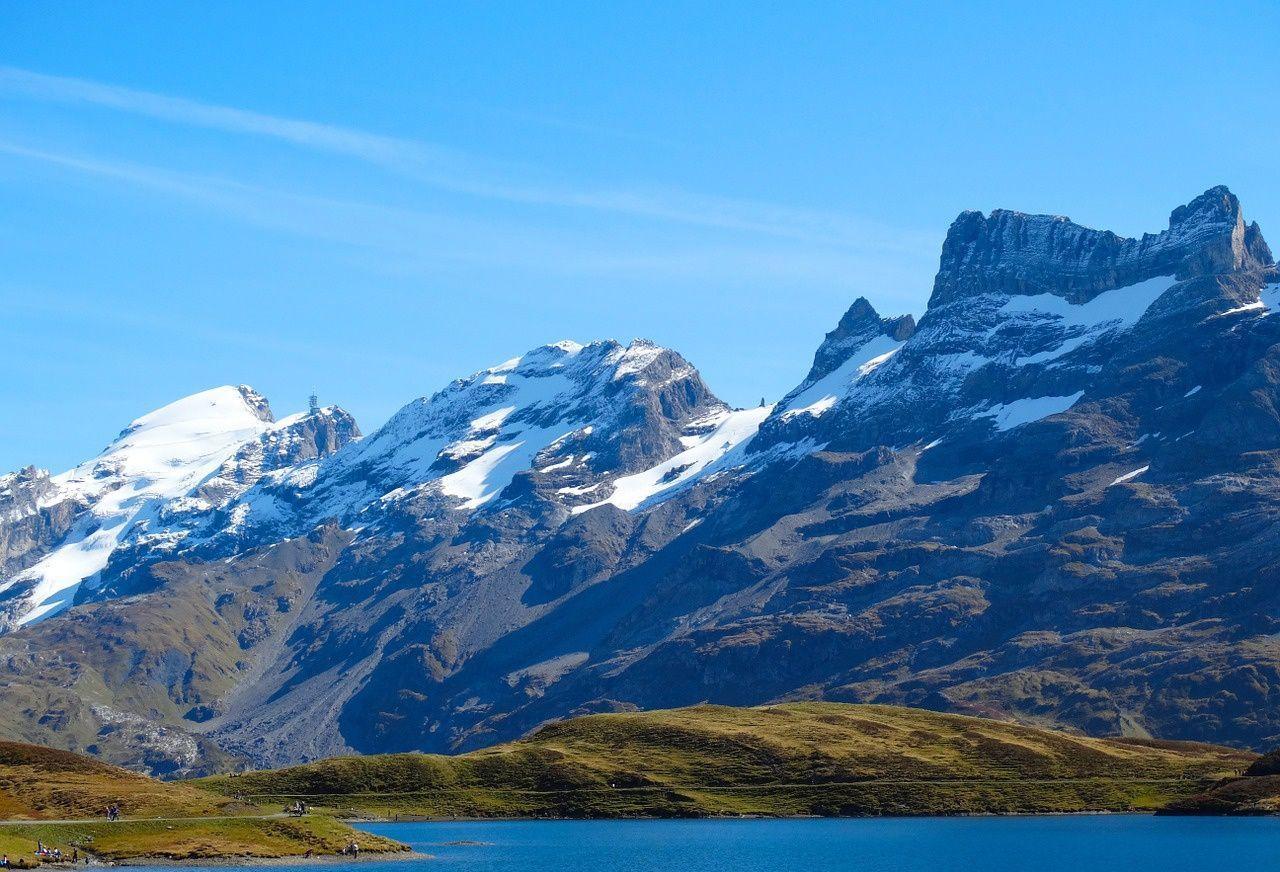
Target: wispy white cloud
point(458, 172)
point(325, 137)
point(420, 242)
point(94, 310)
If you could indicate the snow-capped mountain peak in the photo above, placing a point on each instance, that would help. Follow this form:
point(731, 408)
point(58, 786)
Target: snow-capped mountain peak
point(1019, 301)
point(170, 442)
point(166, 462)
point(561, 422)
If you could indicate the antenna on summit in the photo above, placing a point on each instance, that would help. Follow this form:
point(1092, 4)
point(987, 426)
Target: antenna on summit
point(313, 403)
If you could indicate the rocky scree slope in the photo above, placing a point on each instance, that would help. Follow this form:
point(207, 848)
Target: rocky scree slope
point(1052, 499)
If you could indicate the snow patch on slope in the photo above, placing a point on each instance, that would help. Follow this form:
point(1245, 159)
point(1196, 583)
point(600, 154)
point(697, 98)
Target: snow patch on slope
point(824, 393)
point(1129, 476)
point(486, 476)
point(1019, 412)
point(1117, 309)
point(732, 428)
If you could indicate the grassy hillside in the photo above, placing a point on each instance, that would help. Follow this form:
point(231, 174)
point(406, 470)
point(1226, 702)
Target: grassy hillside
point(1257, 791)
point(59, 798)
point(38, 782)
point(199, 839)
point(802, 758)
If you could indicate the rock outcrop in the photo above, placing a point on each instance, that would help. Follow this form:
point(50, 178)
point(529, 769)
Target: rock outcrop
point(1014, 253)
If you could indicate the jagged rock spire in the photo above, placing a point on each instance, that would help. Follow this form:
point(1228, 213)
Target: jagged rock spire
point(860, 324)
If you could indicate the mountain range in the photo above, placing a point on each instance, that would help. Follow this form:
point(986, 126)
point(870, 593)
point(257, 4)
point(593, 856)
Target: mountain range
point(1053, 499)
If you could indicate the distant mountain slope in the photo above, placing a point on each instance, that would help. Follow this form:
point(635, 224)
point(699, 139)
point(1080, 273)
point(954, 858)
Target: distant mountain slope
point(1034, 506)
point(1054, 498)
point(525, 445)
point(714, 759)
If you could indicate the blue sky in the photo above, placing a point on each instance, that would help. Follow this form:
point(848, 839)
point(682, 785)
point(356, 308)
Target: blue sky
point(371, 200)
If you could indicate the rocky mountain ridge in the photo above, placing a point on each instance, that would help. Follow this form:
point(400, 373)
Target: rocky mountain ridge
point(1051, 499)
point(1015, 253)
point(141, 493)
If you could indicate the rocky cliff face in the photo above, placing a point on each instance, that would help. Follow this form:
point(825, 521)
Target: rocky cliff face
point(1055, 499)
point(860, 344)
point(1013, 253)
point(32, 515)
point(860, 325)
point(291, 442)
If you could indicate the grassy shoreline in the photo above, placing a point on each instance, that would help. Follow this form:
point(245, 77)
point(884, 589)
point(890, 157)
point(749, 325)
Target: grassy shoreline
point(59, 799)
point(189, 839)
point(288, 860)
point(862, 799)
point(792, 760)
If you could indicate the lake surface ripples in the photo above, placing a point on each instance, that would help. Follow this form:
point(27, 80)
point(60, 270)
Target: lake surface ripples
point(986, 844)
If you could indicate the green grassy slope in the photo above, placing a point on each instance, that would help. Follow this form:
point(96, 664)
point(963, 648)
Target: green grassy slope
point(59, 798)
point(38, 782)
point(1257, 791)
point(198, 839)
point(802, 758)
point(177, 839)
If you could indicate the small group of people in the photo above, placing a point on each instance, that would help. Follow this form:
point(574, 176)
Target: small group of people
point(113, 812)
point(352, 849)
point(298, 809)
point(48, 855)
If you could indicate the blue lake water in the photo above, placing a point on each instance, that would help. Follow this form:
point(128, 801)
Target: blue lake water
point(987, 844)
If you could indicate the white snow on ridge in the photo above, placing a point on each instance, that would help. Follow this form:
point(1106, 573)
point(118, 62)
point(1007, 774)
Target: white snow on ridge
point(469, 422)
point(160, 457)
point(635, 358)
point(470, 440)
point(824, 393)
point(1117, 309)
point(1129, 475)
point(1019, 412)
point(1268, 300)
point(1256, 305)
point(485, 477)
point(732, 429)
point(513, 445)
point(559, 464)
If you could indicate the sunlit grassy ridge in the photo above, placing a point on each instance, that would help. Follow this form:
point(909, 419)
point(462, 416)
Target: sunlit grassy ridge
point(197, 839)
point(61, 799)
point(1256, 792)
point(38, 782)
point(801, 758)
